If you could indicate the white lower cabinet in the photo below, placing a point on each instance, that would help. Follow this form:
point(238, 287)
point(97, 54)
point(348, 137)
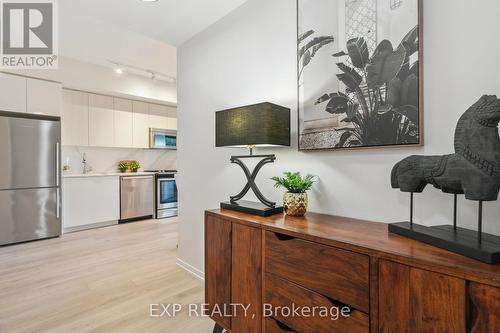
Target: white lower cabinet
point(90, 201)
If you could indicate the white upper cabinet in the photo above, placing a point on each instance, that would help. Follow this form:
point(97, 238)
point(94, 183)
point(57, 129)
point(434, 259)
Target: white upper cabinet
point(75, 118)
point(12, 93)
point(123, 123)
point(21, 94)
point(158, 116)
point(101, 121)
point(140, 137)
point(172, 118)
point(44, 97)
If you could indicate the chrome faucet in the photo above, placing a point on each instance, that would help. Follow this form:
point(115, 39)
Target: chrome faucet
point(86, 168)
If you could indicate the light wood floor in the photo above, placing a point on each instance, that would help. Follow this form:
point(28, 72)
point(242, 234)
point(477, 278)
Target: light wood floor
point(100, 280)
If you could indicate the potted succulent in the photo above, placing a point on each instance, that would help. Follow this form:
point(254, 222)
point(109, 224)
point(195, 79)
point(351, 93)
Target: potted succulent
point(295, 200)
point(123, 166)
point(135, 166)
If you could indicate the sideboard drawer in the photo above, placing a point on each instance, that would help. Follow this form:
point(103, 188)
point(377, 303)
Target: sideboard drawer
point(338, 274)
point(274, 326)
point(281, 294)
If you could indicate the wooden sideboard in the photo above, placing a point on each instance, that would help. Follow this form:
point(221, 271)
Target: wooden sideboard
point(388, 283)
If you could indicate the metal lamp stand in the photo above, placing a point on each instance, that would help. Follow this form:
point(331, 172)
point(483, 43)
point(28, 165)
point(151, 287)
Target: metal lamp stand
point(251, 176)
point(266, 207)
point(474, 244)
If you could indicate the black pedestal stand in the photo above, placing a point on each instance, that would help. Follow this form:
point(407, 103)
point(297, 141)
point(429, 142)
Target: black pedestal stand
point(265, 207)
point(218, 329)
point(473, 244)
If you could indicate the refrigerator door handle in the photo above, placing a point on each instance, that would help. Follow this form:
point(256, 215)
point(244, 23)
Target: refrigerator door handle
point(58, 181)
point(58, 203)
point(58, 165)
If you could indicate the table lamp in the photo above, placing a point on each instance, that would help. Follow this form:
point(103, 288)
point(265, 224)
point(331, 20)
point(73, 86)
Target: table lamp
point(258, 125)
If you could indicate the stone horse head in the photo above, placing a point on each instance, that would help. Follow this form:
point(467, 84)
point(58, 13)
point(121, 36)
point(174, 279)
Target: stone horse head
point(474, 169)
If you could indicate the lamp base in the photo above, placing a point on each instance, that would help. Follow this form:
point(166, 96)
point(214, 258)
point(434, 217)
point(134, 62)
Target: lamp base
point(250, 207)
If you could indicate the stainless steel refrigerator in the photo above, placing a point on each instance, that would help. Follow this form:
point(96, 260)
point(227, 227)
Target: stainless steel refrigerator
point(30, 177)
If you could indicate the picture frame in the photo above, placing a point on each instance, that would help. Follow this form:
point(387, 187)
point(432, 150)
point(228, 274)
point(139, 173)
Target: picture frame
point(360, 92)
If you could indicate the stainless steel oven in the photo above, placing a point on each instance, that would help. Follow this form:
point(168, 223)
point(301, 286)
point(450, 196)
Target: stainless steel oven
point(166, 195)
point(162, 139)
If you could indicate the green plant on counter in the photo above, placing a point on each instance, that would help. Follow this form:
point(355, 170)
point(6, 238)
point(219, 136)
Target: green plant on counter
point(135, 166)
point(294, 182)
point(123, 166)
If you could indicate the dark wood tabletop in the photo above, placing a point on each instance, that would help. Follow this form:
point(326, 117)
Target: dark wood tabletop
point(371, 238)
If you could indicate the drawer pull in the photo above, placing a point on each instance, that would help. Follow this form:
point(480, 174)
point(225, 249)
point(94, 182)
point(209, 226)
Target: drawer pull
point(339, 305)
point(283, 326)
point(340, 274)
point(282, 237)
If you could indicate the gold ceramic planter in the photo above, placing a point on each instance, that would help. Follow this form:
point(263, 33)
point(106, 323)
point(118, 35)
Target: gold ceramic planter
point(295, 204)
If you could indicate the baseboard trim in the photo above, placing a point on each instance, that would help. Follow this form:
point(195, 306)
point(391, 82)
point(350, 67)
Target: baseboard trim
point(190, 269)
point(89, 226)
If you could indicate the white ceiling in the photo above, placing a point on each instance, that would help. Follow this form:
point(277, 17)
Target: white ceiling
point(168, 21)
point(133, 32)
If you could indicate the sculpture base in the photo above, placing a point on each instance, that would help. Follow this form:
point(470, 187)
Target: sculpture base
point(462, 241)
point(250, 207)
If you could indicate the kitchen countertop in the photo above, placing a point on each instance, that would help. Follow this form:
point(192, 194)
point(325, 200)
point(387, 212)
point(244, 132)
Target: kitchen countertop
point(108, 174)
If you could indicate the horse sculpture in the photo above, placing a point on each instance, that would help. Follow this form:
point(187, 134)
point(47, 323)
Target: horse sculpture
point(474, 169)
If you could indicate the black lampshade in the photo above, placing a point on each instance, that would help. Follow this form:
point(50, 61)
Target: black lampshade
point(258, 124)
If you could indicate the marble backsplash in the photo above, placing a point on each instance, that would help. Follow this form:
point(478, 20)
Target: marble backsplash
point(106, 159)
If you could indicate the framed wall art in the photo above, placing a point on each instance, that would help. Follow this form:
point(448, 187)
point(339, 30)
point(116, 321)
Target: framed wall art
point(359, 73)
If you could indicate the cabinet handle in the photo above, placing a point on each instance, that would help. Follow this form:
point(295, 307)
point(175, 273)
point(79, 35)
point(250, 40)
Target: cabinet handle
point(282, 237)
point(339, 304)
point(283, 326)
point(135, 177)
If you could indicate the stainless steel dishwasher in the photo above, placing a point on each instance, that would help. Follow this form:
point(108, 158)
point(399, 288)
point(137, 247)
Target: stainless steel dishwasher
point(136, 198)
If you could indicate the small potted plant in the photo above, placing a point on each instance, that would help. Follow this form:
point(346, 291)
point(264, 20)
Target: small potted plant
point(295, 200)
point(135, 166)
point(123, 166)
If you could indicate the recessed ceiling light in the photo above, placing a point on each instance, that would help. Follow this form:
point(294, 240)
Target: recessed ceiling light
point(119, 70)
point(149, 0)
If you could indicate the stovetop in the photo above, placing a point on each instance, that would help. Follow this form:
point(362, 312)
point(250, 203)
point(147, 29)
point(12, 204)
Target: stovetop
point(162, 171)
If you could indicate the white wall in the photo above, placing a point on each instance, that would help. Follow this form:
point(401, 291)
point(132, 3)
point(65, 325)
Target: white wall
point(85, 76)
point(106, 159)
point(249, 56)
